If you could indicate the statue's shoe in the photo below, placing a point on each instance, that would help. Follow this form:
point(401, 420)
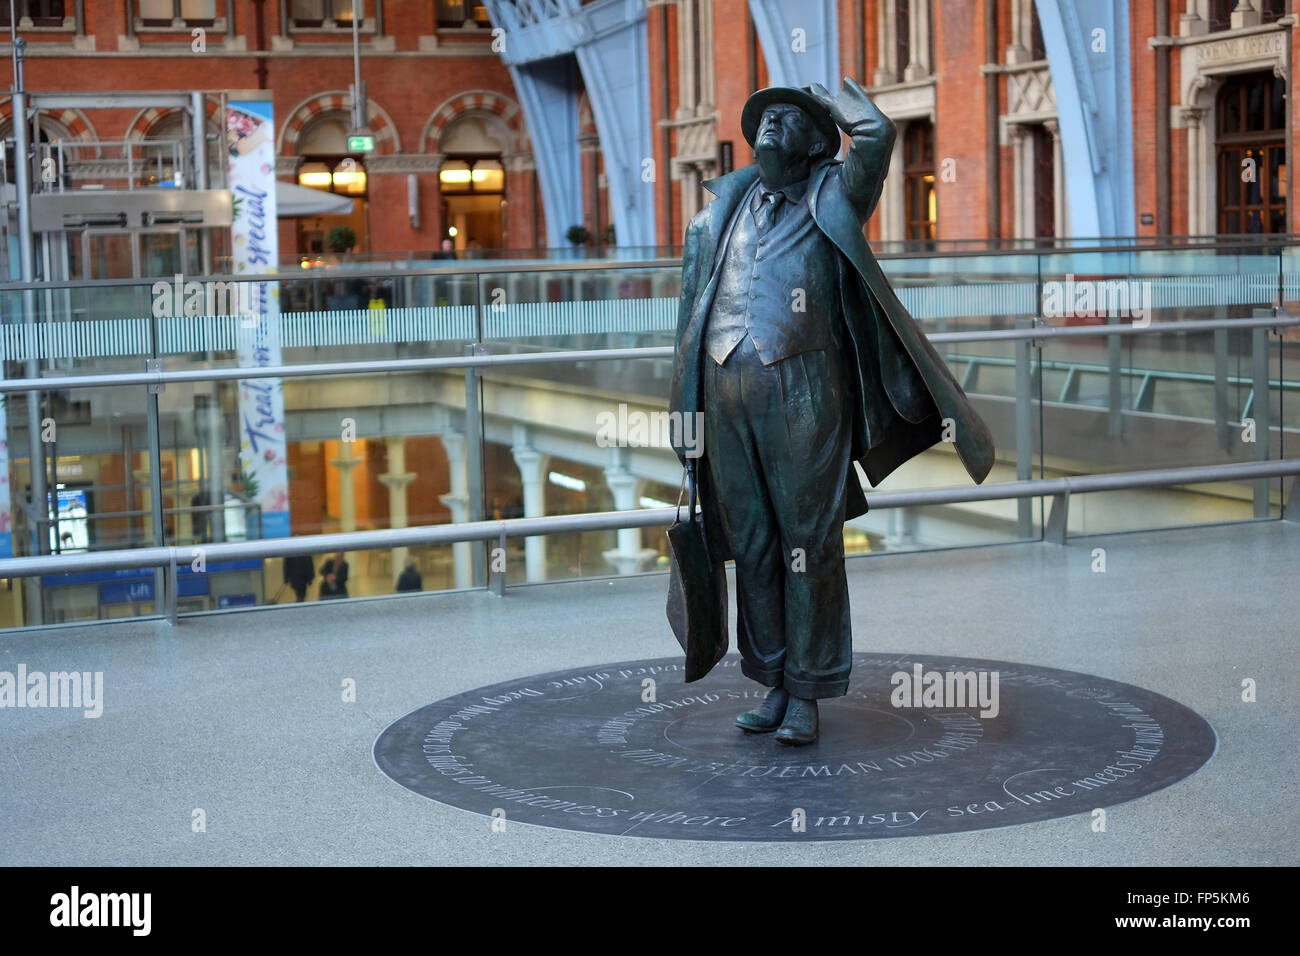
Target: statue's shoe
point(800, 724)
point(768, 715)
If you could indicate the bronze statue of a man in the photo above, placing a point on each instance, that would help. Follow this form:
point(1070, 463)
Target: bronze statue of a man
point(792, 344)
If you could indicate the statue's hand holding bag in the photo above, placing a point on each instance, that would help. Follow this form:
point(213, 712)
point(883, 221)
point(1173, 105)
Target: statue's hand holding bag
point(697, 589)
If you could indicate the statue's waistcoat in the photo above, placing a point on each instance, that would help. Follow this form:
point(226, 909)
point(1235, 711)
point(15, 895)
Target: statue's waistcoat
point(779, 286)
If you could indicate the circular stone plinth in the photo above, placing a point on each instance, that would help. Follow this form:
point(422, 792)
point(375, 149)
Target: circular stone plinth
point(629, 749)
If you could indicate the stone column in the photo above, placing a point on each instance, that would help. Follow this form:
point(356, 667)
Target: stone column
point(347, 495)
point(1018, 48)
point(1192, 23)
point(893, 198)
point(396, 479)
point(885, 73)
point(918, 41)
point(1198, 220)
point(1022, 176)
point(708, 68)
point(532, 471)
point(184, 517)
point(457, 502)
point(629, 557)
point(1244, 14)
point(687, 93)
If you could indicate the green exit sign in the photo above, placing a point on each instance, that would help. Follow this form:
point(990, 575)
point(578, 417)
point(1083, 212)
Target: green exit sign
point(361, 144)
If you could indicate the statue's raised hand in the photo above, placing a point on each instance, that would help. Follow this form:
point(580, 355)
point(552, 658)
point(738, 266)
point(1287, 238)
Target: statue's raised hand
point(832, 105)
point(851, 109)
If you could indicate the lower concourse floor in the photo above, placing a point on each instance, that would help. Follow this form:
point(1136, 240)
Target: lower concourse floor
point(241, 715)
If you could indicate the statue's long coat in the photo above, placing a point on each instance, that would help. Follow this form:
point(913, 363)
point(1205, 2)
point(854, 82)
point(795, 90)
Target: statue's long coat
point(902, 388)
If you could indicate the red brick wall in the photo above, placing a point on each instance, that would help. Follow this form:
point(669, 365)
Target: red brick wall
point(1142, 67)
point(1292, 93)
point(960, 135)
point(731, 50)
point(407, 88)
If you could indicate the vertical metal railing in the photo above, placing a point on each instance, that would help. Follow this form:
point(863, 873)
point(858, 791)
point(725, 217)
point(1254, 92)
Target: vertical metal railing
point(1024, 418)
point(157, 529)
point(474, 435)
point(1024, 427)
point(1261, 410)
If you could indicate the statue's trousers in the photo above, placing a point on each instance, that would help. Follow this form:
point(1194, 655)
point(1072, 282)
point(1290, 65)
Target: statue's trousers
point(777, 442)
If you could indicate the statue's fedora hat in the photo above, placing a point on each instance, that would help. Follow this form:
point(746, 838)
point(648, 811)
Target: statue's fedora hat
point(802, 98)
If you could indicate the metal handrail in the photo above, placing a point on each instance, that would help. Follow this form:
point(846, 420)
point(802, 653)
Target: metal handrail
point(1216, 243)
point(479, 361)
point(330, 368)
point(1164, 375)
point(457, 268)
point(1041, 330)
point(171, 557)
point(498, 266)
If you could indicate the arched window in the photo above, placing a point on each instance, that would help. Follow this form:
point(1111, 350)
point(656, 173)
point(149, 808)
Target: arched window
point(918, 180)
point(460, 13)
point(1221, 12)
point(472, 181)
point(53, 141)
point(1251, 112)
point(43, 13)
point(161, 13)
point(318, 13)
point(326, 162)
point(161, 157)
point(327, 165)
point(476, 174)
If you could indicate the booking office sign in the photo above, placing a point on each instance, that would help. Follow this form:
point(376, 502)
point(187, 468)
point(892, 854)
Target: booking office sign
point(250, 158)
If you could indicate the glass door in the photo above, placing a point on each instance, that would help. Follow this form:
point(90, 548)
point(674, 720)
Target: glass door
point(168, 252)
point(108, 254)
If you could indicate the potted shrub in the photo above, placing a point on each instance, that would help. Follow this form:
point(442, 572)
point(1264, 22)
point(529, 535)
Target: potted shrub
point(341, 239)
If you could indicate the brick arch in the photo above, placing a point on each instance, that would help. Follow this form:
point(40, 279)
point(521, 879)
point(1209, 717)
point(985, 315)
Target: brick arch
point(69, 124)
point(336, 102)
point(144, 121)
point(501, 111)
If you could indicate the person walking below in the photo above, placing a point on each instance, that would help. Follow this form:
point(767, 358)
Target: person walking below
point(409, 579)
point(334, 578)
point(299, 572)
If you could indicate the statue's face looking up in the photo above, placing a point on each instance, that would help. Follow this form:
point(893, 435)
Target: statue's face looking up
point(788, 132)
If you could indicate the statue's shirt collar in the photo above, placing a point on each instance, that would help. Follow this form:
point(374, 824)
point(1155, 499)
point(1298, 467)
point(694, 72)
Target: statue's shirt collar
point(794, 192)
point(791, 193)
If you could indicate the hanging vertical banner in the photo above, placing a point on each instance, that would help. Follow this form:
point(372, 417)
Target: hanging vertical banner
point(250, 158)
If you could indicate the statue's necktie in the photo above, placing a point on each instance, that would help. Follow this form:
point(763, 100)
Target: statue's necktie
point(765, 215)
